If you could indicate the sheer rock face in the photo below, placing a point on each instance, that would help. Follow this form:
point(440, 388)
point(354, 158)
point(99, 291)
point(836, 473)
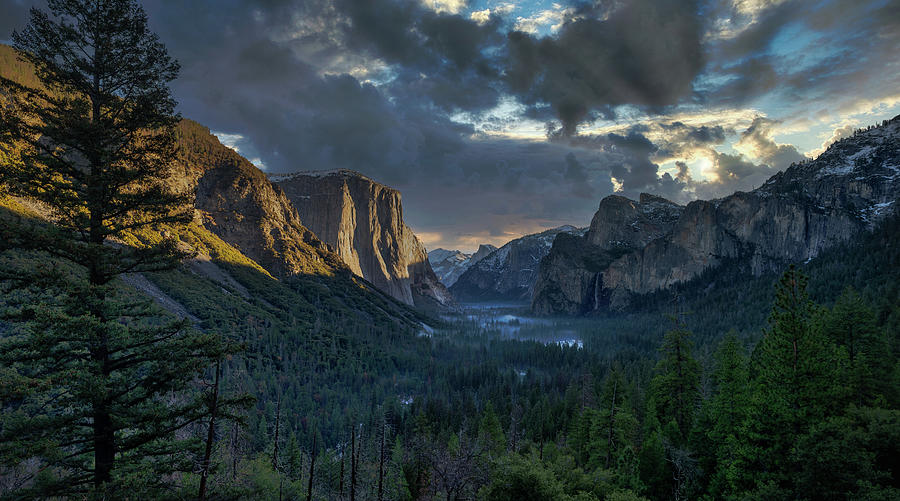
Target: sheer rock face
point(793, 217)
point(235, 200)
point(449, 265)
point(509, 273)
point(363, 222)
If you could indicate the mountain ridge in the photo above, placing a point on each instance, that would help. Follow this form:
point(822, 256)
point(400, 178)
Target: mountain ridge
point(792, 217)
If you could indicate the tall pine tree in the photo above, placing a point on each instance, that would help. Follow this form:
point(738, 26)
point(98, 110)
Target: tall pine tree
point(676, 385)
point(792, 388)
point(675, 390)
point(104, 378)
point(728, 409)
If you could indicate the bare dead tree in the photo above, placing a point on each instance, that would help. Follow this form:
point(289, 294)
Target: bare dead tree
point(312, 465)
point(353, 457)
point(277, 429)
point(381, 467)
point(458, 473)
point(211, 434)
point(612, 422)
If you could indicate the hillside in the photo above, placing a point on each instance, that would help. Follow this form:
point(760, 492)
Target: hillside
point(247, 219)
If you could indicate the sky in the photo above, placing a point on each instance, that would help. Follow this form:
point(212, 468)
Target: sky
point(498, 118)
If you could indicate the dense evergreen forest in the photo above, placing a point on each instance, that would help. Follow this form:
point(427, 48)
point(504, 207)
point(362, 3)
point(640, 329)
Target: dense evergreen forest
point(730, 386)
point(648, 408)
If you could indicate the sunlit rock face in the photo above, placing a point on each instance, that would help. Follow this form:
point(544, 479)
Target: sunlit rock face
point(449, 265)
point(362, 220)
point(234, 200)
point(793, 217)
point(508, 273)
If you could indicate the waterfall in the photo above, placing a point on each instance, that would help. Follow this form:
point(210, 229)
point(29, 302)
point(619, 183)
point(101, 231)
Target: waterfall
point(597, 291)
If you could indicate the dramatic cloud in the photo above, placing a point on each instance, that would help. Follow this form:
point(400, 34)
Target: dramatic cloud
point(678, 140)
point(496, 118)
point(757, 142)
point(451, 6)
point(641, 53)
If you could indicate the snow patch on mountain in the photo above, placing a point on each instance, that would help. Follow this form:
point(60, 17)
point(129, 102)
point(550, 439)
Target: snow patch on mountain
point(448, 265)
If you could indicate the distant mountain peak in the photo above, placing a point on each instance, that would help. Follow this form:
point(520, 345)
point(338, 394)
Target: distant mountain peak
point(509, 273)
point(450, 264)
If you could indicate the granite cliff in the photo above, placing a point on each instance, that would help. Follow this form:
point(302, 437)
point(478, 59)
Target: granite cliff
point(448, 265)
point(362, 220)
point(567, 281)
point(508, 273)
point(793, 217)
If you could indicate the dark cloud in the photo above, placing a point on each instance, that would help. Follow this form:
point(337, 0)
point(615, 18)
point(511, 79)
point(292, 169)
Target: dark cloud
point(632, 158)
point(680, 139)
point(578, 176)
point(759, 34)
point(442, 59)
point(737, 168)
point(684, 175)
point(747, 79)
point(627, 157)
point(641, 52)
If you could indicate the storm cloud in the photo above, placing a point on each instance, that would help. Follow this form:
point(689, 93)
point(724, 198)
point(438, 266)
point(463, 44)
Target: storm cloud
point(642, 53)
point(494, 120)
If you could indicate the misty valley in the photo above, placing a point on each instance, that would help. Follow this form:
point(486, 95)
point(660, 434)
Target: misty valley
point(513, 322)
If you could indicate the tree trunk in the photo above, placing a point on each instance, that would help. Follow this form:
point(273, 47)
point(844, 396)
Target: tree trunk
point(312, 465)
point(234, 447)
point(104, 433)
point(210, 435)
point(104, 446)
point(381, 468)
point(353, 465)
point(343, 458)
point(277, 428)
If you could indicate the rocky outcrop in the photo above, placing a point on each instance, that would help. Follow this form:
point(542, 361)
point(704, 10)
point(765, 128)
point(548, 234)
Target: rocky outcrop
point(234, 200)
point(793, 217)
point(448, 265)
point(362, 221)
point(569, 276)
point(509, 273)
